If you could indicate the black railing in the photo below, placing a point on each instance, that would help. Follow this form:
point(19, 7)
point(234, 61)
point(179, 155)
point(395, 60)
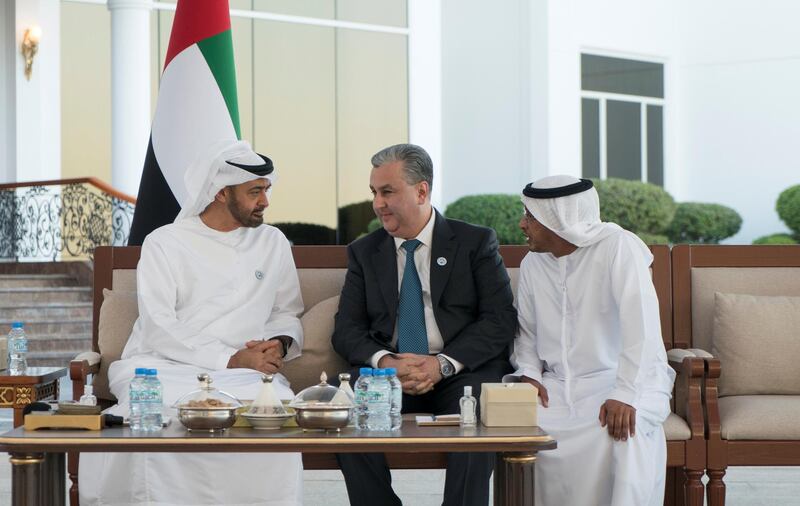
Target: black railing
point(68, 219)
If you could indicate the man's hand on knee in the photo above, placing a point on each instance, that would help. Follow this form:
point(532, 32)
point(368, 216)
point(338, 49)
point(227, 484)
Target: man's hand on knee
point(542, 390)
point(620, 418)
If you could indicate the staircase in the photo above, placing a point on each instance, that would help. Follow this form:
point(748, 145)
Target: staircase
point(56, 311)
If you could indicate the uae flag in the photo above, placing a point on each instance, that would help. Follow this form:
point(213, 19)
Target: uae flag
point(197, 106)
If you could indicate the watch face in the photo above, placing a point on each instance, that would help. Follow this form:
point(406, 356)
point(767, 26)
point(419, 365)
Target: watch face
point(446, 368)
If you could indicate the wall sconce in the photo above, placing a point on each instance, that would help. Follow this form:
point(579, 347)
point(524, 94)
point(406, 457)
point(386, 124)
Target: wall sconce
point(30, 44)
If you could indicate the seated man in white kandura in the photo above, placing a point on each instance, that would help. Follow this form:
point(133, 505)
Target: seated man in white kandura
point(218, 293)
point(590, 340)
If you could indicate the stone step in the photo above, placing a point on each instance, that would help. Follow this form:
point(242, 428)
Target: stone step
point(57, 326)
point(62, 311)
point(44, 295)
point(75, 344)
point(51, 359)
point(36, 280)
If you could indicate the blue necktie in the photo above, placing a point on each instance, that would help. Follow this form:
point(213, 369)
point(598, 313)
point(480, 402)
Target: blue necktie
point(411, 334)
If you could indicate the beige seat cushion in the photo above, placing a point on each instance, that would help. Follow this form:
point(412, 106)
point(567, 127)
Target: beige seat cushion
point(318, 354)
point(757, 339)
point(760, 417)
point(676, 428)
point(118, 313)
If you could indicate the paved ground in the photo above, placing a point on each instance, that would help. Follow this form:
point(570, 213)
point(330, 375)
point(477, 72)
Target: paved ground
point(748, 486)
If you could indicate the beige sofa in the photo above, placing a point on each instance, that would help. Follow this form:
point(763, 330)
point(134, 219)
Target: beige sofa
point(321, 270)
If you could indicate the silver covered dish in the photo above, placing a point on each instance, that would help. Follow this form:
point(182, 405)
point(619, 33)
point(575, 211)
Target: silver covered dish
point(207, 409)
point(322, 407)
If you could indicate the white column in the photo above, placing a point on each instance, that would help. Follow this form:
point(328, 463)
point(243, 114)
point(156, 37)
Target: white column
point(425, 84)
point(130, 91)
point(8, 69)
point(37, 102)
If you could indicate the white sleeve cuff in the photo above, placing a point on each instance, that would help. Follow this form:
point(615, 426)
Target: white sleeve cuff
point(373, 361)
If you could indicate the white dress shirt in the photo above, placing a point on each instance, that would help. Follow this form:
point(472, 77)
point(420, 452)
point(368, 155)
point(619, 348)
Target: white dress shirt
point(422, 259)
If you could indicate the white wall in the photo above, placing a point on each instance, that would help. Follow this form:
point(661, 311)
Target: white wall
point(485, 82)
point(7, 82)
point(740, 109)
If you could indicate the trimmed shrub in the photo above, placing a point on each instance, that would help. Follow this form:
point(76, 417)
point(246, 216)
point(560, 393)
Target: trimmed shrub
point(653, 238)
point(788, 207)
point(696, 222)
point(776, 239)
point(373, 225)
point(307, 234)
point(635, 206)
point(500, 212)
point(353, 220)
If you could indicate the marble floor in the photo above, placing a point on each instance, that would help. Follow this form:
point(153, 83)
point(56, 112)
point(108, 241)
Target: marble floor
point(747, 486)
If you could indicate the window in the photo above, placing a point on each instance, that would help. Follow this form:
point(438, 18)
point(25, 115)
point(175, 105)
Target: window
point(622, 118)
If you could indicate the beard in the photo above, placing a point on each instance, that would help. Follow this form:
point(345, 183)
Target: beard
point(245, 217)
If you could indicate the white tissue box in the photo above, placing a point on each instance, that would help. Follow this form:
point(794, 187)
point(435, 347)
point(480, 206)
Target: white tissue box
point(508, 404)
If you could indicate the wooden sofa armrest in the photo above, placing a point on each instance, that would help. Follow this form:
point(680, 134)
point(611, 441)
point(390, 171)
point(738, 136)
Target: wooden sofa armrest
point(690, 371)
point(80, 368)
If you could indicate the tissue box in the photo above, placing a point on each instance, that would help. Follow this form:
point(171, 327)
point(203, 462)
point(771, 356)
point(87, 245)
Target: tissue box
point(3, 353)
point(508, 404)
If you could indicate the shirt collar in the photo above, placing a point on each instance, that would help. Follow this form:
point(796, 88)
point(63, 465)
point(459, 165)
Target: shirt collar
point(425, 235)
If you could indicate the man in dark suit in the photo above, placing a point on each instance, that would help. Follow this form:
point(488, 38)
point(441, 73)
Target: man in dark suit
point(430, 297)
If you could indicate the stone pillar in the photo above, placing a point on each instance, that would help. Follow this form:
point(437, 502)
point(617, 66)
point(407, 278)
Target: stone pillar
point(130, 91)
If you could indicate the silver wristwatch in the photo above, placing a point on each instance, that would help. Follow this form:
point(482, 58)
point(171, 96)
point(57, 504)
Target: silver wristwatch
point(445, 366)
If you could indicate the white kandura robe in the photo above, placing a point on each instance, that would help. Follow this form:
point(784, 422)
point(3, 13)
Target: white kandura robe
point(202, 295)
point(590, 331)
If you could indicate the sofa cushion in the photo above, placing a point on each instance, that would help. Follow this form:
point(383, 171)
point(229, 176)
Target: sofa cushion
point(676, 428)
point(757, 339)
point(118, 313)
point(318, 354)
point(760, 417)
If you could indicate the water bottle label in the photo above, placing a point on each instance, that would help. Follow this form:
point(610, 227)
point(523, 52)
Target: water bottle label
point(19, 346)
point(375, 397)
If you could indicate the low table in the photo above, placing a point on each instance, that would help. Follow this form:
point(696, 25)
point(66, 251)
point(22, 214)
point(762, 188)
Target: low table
point(38, 383)
point(37, 458)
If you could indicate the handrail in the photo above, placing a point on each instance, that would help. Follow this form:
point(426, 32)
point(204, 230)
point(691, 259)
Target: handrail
point(97, 183)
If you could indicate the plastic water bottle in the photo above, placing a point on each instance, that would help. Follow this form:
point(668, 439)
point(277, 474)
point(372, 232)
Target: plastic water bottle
point(361, 388)
point(153, 401)
point(396, 409)
point(379, 402)
point(136, 393)
point(17, 348)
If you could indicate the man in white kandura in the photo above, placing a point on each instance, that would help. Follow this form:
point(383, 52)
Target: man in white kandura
point(218, 293)
point(590, 340)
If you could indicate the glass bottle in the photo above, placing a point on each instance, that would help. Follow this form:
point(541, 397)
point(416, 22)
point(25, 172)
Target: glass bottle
point(468, 405)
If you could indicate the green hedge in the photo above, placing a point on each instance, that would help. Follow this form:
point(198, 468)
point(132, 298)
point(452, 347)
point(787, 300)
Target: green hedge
point(373, 225)
point(635, 206)
point(703, 223)
point(500, 212)
point(776, 239)
point(305, 234)
point(353, 220)
point(653, 238)
point(788, 207)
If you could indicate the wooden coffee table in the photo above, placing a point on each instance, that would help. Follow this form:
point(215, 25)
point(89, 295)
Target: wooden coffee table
point(37, 458)
point(38, 383)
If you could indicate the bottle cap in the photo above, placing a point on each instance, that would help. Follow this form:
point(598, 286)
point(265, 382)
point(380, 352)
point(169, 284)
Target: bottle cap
point(467, 390)
point(88, 390)
point(152, 372)
point(17, 325)
point(140, 371)
point(391, 371)
point(365, 371)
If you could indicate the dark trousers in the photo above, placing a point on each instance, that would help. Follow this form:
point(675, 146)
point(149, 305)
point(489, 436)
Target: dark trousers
point(367, 476)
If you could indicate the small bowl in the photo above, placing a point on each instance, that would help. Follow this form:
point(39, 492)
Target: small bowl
point(207, 419)
point(266, 422)
point(318, 418)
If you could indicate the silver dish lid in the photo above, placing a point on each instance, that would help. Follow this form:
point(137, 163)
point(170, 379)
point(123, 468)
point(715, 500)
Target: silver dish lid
point(322, 396)
point(207, 397)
